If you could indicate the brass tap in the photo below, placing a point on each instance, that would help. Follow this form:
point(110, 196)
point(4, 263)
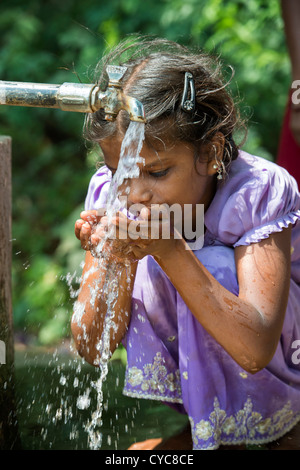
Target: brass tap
point(76, 97)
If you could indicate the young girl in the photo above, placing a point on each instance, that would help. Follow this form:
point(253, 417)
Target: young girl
point(212, 331)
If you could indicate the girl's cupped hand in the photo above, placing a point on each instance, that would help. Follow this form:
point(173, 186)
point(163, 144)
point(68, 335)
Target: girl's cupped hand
point(127, 240)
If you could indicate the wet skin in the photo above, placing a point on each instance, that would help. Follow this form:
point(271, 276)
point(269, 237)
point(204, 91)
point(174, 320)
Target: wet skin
point(247, 326)
point(168, 177)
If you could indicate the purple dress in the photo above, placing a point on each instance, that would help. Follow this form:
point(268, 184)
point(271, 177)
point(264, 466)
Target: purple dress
point(170, 355)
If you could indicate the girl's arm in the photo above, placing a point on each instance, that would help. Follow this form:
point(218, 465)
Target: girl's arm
point(248, 326)
point(91, 306)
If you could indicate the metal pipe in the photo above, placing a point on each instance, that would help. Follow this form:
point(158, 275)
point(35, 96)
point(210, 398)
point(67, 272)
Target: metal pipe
point(75, 97)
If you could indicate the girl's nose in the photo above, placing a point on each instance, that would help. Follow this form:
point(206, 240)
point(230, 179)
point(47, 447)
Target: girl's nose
point(139, 191)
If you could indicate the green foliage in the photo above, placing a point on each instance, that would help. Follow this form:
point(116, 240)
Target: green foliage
point(56, 41)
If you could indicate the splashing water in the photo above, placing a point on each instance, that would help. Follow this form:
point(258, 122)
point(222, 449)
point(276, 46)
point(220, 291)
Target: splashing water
point(127, 168)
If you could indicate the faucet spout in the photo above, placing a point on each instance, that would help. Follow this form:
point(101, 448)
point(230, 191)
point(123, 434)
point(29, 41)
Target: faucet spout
point(76, 97)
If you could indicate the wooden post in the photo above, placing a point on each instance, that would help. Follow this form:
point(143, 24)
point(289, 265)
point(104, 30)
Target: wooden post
point(9, 438)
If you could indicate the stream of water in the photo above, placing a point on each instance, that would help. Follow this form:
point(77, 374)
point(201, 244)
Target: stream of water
point(127, 168)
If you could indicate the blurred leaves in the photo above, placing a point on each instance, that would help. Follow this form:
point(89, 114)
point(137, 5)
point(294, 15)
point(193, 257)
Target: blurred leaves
point(56, 41)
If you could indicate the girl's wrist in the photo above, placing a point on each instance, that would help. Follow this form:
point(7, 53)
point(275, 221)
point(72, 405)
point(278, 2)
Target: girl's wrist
point(121, 261)
point(107, 253)
point(179, 245)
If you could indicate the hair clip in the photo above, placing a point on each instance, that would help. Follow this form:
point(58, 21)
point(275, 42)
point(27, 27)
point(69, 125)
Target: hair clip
point(188, 102)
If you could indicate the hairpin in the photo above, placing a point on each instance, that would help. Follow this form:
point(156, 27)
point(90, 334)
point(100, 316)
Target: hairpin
point(188, 102)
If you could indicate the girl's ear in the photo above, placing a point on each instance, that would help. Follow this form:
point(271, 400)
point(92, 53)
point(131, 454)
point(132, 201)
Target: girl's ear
point(215, 154)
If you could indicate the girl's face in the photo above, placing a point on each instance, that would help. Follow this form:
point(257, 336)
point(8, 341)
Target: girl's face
point(167, 176)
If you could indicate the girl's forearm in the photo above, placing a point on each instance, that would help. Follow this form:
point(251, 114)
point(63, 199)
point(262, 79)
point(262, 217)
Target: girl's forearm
point(224, 315)
point(91, 307)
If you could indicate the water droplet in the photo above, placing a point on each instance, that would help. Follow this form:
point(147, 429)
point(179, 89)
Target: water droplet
point(83, 402)
point(62, 380)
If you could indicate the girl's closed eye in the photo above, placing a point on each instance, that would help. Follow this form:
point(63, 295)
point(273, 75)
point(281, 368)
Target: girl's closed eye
point(159, 174)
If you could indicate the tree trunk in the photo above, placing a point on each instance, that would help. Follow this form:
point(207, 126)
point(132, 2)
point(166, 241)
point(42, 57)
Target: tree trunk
point(9, 437)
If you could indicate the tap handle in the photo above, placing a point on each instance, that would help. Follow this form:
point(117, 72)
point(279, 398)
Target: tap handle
point(115, 74)
point(114, 99)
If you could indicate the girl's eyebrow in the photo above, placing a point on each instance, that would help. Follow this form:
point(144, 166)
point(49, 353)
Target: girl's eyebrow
point(158, 162)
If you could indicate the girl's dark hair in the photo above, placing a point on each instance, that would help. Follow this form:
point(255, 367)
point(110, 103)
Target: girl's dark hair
point(155, 76)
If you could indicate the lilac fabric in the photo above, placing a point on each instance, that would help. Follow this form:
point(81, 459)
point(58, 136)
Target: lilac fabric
point(173, 359)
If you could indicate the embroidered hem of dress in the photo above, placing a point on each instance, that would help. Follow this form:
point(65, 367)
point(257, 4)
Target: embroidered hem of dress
point(249, 442)
point(153, 380)
point(245, 425)
point(150, 396)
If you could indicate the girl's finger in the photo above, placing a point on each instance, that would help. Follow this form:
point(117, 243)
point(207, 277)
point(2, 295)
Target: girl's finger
point(104, 220)
point(95, 239)
point(78, 225)
point(92, 217)
point(123, 228)
point(116, 227)
point(145, 213)
point(98, 233)
point(85, 235)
